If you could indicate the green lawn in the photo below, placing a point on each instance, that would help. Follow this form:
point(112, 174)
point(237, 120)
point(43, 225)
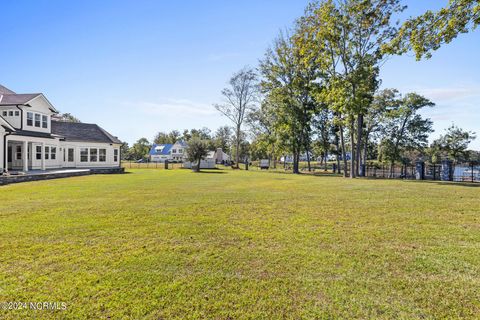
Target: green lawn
point(159, 244)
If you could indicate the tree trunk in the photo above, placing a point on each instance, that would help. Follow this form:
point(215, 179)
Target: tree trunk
point(237, 151)
point(274, 158)
point(326, 163)
point(359, 143)
point(337, 147)
point(352, 142)
point(308, 157)
point(198, 165)
point(344, 153)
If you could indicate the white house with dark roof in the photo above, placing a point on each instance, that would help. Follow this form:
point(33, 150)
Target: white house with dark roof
point(31, 140)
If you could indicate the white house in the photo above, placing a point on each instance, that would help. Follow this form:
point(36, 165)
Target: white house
point(171, 152)
point(30, 139)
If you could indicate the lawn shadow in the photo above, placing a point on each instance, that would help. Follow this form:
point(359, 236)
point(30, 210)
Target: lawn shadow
point(211, 172)
point(447, 183)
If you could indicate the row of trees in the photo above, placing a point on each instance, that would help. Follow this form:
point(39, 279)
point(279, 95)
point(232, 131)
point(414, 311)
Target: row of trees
point(317, 90)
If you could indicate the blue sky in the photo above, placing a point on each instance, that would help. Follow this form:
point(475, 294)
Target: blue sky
point(139, 67)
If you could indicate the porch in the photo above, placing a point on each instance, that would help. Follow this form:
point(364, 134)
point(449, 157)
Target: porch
point(24, 154)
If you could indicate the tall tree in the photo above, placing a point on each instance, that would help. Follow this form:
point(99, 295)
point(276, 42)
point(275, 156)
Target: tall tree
point(352, 32)
point(239, 99)
point(222, 138)
point(405, 129)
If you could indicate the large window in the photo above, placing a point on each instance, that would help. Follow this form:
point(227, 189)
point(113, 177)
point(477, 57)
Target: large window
point(70, 157)
point(44, 122)
point(53, 153)
point(115, 155)
point(18, 153)
point(47, 153)
point(83, 154)
point(38, 152)
point(102, 155)
point(93, 155)
point(37, 120)
point(29, 119)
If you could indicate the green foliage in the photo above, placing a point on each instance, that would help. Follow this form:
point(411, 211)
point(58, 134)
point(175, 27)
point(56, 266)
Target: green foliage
point(139, 150)
point(429, 31)
point(167, 138)
point(196, 151)
point(405, 129)
point(454, 143)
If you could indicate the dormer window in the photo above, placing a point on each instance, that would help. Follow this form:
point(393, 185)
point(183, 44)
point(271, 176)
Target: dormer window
point(17, 113)
point(44, 122)
point(29, 118)
point(5, 113)
point(10, 113)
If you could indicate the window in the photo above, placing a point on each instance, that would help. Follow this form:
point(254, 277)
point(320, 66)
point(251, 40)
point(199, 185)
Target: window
point(93, 155)
point(17, 113)
point(102, 155)
point(29, 119)
point(115, 155)
point(53, 153)
point(18, 153)
point(180, 150)
point(10, 113)
point(70, 155)
point(37, 120)
point(4, 113)
point(47, 153)
point(44, 122)
point(38, 152)
point(174, 151)
point(83, 154)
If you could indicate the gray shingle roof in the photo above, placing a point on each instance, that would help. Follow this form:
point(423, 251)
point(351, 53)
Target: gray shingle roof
point(85, 132)
point(28, 133)
point(5, 90)
point(12, 99)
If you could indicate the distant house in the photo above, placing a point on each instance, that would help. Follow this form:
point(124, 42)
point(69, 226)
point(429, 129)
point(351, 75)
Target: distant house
point(171, 152)
point(31, 140)
point(218, 156)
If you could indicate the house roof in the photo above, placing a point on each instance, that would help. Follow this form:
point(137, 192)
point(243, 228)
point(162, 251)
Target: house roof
point(10, 99)
point(160, 149)
point(82, 132)
point(182, 143)
point(5, 90)
point(28, 133)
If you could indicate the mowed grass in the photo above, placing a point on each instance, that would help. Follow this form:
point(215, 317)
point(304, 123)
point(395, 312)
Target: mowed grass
point(157, 244)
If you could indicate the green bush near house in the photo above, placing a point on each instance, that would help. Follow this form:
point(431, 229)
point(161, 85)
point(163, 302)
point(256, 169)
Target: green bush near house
point(172, 244)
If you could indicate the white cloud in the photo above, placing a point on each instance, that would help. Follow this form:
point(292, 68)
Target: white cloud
point(181, 108)
point(450, 93)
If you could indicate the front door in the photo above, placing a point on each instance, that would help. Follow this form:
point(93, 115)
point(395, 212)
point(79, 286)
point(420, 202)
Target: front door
point(15, 156)
point(69, 157)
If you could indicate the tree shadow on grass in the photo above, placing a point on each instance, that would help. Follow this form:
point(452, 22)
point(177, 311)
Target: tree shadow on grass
point(211, 172)
point(447, 183)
